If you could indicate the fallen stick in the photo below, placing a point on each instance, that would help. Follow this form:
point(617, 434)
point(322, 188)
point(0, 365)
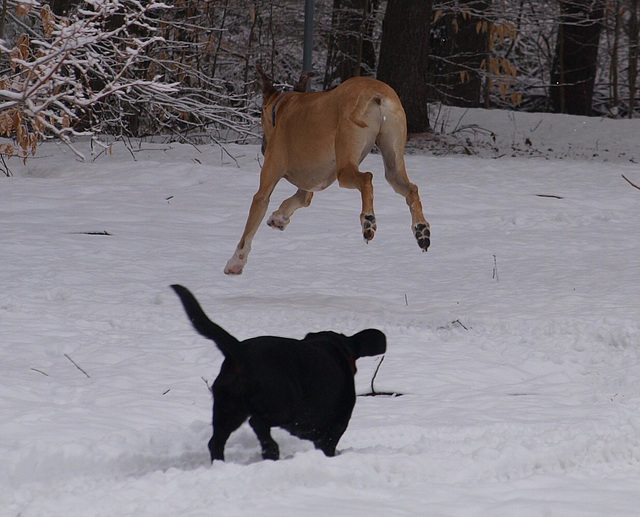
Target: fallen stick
point(375, 374)
point(630, 182)
point(77, 366)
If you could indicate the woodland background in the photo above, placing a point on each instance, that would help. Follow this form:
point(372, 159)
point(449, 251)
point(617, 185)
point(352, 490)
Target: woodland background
point(185, 68)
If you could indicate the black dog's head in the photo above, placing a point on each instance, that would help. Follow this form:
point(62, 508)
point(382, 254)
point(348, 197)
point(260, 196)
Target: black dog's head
point(367, 343)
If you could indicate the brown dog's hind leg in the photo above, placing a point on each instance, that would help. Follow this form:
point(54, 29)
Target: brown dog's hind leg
point(350, 177)
point(354, 137)
point(280, 218)
point(392, 150)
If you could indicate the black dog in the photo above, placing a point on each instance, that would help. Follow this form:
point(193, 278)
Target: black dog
point(303, 386)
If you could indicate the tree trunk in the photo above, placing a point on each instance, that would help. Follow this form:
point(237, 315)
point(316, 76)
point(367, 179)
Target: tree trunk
point(634, 52)
point(575, 63)
point(404, 53)
point(3, 14)
point(614, 64)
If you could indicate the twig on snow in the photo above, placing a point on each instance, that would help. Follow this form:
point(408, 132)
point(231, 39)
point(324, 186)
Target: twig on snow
point(373, 392)
point(552, 196)
point(209, 387)
point(375, 374)
point(458, 322)
point(630, 182)
point(77, 366)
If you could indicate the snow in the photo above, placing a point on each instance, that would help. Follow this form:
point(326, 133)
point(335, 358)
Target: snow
point(513, 344)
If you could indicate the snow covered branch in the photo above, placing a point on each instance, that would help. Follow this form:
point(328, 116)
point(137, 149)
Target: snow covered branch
point(105, 68)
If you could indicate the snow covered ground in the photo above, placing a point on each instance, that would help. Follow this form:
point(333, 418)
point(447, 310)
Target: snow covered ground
point(514, 342)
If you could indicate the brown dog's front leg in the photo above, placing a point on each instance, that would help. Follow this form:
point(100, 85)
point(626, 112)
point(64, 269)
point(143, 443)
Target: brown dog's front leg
point(258, 209)
point(280, 218)
point(236, 263)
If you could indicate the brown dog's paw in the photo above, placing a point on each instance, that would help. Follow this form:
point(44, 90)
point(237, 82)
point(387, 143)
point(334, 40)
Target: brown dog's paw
point(369, 227)
point(235, 265)
point(423, 235)
point(278, 222)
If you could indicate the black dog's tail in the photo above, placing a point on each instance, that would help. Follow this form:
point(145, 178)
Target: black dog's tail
point(203, 324)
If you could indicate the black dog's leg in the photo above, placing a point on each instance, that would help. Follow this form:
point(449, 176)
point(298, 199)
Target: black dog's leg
point(329, 441)
point(221, 433)
point(224, 423)
point(216, 446)
point(270, 450)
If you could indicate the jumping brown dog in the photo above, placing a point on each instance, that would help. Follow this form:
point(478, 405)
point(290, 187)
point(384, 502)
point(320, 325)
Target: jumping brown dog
point(314, 138)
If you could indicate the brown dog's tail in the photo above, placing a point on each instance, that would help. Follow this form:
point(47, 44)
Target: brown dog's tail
point(203, 324)
point(365, 99)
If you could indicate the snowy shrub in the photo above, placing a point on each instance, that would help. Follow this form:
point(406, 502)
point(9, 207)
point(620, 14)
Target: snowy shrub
point(107, 67)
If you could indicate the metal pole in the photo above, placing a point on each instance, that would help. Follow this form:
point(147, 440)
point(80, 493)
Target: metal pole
point(307, 62)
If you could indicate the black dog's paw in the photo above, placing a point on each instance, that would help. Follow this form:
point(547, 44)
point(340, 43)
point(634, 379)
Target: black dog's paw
point(423, 235)
point(271, 452)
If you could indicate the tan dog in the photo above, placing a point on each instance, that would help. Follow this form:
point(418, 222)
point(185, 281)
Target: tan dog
point(314, 138)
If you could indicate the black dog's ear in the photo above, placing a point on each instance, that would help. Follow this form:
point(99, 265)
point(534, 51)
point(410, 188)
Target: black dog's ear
point(368, 343)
